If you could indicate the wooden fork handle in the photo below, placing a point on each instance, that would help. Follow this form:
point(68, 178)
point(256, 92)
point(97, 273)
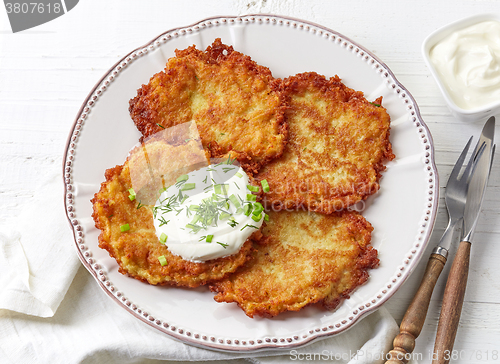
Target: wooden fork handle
point(452, 305)
point(414, 318)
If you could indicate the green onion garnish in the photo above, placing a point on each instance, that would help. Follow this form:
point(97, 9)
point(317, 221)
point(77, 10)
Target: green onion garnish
point(224, 216)
point(124, 227)
point(235, 201)
point(221, 189)
point(257, 208)
point(253, 188)
point(251, 197)
point(209, 238)
point(187, 187)
point(163, 238)
point(196, 218)
point(184, 177)
point(162, 260)
point(247, 209)
point(238, 174)
point(266, 217)
point(132, 194)
point(161, 126)
point(222, 244)
point(265, 185)
point(257, 217)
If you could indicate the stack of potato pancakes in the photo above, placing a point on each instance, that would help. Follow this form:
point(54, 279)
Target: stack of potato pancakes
point(319, 145)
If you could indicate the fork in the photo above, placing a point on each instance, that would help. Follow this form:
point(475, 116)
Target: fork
point(455, 198)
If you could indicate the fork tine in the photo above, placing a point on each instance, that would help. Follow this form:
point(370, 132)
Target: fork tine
point(471, 166)
point(460, 162)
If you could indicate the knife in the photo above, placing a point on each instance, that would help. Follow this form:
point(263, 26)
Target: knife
point(457, 279)
point(414, 318)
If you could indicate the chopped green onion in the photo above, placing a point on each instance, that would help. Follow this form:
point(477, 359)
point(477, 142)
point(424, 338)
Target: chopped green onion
point(184, 177)
point(265, 185)
point(221, 189)
point(124, 227)
point(132, 194)
point(247, 209)
point(374, 104)
point(162, 260)
point(235, 201)
point(209, 238)
point(257, 208)
point(238, 174)
point(251, 197)
point(266, 217)
point(224, 215)
point(253, 188)
point(196, 218)
point(188, 186)
point(257, 217)
point(222, 244)
point(163, 238)
point(161, 126)
point(194, 207)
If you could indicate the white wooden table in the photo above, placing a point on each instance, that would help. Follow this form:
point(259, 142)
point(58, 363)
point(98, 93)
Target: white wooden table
point(47, 71)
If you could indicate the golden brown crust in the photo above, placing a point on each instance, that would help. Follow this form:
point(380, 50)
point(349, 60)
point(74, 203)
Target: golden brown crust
point(236, 103)
point(138, 249)
point(304, 258)
point(337, 145)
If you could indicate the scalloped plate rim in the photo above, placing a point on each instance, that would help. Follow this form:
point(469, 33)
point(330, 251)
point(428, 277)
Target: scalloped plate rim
point(269, 344)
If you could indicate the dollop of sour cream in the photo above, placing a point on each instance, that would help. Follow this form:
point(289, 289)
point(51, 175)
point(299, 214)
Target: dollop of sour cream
point(468, 61)
point(208, 213)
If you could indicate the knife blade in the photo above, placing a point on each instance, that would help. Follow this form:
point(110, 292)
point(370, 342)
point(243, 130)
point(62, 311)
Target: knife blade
point(457, 279)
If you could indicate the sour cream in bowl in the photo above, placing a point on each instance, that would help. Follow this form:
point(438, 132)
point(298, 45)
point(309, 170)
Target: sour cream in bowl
point(464, 58)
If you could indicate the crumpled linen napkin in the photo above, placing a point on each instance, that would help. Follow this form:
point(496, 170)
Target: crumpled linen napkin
point(51, 309)
point(37, 260)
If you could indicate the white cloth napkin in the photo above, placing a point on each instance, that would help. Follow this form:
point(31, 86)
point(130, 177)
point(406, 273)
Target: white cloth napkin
point(52, 311)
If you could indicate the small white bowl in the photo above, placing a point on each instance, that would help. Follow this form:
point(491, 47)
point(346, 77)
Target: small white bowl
point(477, 114)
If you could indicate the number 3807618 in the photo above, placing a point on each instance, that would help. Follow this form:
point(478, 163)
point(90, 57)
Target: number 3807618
point(25, 8)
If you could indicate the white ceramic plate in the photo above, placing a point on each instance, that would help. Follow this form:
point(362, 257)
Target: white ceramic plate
point(402, 212)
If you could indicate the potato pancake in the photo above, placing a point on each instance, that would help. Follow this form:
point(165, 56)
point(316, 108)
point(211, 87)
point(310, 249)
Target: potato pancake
point(235, 102)
point(303, 258)
point(137, 250)
point(337, 145)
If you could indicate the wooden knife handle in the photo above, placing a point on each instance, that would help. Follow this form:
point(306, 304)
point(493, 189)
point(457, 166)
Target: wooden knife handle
point(414, 318)
point(452, 305)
